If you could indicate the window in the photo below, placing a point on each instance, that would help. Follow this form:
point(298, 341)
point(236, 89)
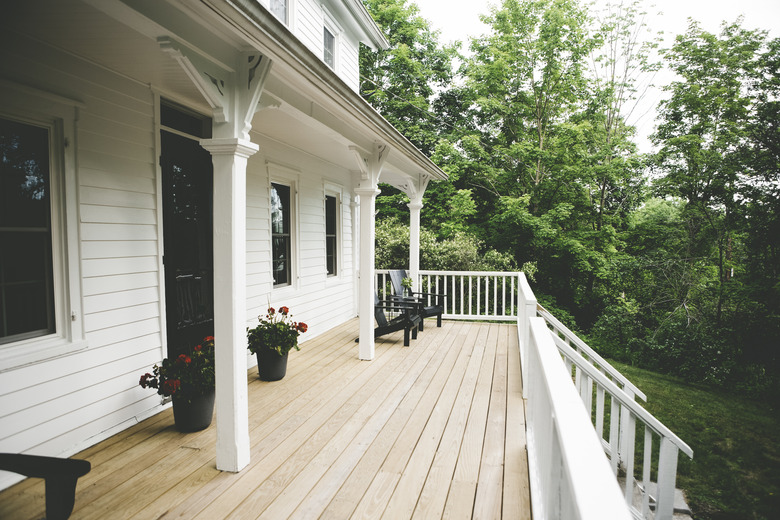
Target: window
point(26, 279)
point(331, 237)
point(329, 48)
point(280, 234)
point(279, 10)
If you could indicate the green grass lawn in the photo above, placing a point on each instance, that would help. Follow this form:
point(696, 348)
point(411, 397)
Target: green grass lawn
point(735, 471)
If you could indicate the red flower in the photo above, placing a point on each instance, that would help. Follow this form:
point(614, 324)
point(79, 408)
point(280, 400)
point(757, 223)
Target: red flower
point(197, 348)
point(271, 311)
point(171, 386)
point(284, 310)
point(208, 339)
point(302, 327)
point(144, 382)
point(184, 358)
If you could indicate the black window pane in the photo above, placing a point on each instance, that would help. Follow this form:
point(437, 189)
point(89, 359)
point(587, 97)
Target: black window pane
point(330, 215)
point(24, 175)
point(26, 310)
point(181, 119)
point(25, 256)
point(330, 234)
point(280, 209)
point(280, 232)
point(26, 288)
point(330, 255)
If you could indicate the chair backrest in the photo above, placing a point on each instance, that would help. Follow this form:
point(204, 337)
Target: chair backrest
point(379, 313)
point(397, 278)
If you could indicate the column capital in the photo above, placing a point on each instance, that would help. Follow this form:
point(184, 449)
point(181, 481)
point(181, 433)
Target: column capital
point(367, 192)
point(415, 205)
point(230, 146)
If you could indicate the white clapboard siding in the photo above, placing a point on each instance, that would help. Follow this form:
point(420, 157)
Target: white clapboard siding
point(348, 61)
point(115, 266)
point(126, 232)
point(37, 376)
point(308, 25)
point(113, 215)
point(122, 282)
point(106, 379)
point(118, 248)
point(60, 406)
point(97, 178)
point(119, 300)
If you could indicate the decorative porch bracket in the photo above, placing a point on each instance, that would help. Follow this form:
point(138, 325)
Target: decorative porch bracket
point(233, 96)
point(367, 188)
point(415, 189)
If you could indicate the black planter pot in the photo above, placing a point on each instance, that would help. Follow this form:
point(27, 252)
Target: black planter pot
point(193, 416)
point(270, 365)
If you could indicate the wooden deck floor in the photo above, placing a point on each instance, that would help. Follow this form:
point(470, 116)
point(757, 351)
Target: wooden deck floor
point(435, 430)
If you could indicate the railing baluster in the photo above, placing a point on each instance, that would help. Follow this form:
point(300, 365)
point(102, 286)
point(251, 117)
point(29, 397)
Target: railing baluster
point(512, 305)
point(667, 475)
point(462, 294)
point(600, 411)
point(614, 433)
point(628, 455)
point(479, 293)
point(646, 466)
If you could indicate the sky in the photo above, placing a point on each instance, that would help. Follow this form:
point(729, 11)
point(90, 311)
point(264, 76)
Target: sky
point(461, 22)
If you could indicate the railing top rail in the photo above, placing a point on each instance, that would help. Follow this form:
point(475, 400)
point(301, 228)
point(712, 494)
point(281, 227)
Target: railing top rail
point(612, 371)
point(620, 395)
point(587, 467)
point(470, 273)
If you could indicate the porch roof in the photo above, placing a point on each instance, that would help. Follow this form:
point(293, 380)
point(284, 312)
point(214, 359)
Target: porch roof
point(305, 104)
point(434, 429)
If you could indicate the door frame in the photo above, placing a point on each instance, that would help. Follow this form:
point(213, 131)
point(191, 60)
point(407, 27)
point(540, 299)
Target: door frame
point(159, 127)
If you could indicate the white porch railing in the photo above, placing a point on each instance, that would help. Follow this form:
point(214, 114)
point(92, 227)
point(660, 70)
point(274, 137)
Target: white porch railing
point(471, 295)
point(569, 476)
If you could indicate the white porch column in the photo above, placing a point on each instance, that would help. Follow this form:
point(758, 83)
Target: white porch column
point(367, 197)
point(233, 93)
point(367, 189)
point(414, 241)
point(230, 158)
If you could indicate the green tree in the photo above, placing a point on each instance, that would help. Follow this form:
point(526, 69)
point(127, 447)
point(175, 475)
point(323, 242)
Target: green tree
point(702, 131)
point(402, 81)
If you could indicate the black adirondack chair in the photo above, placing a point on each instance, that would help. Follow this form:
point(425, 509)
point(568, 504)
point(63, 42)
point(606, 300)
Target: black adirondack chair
point(60, 475)
point(437, 309)
point(406, 318)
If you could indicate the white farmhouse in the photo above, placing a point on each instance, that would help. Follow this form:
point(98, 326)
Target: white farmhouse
point(169, 168)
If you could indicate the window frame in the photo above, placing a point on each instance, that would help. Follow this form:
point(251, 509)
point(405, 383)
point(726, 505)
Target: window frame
point(59, 115)
point(278, 174)
point(289, 10)
point(329, 24)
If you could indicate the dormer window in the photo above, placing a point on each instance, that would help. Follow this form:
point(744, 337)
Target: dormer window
point(279, 10)
point(329, 48)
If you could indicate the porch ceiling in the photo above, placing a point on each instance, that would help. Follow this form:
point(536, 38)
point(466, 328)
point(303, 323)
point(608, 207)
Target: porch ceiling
point(304, 112)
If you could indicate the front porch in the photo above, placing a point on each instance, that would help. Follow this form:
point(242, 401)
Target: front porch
point(430, 431)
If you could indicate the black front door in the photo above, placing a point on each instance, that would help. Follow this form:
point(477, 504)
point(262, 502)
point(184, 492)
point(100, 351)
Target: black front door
point(188, 256)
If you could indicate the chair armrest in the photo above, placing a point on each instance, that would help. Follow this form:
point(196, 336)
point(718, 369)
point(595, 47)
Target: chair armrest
point(43, 467)
point(436, 296)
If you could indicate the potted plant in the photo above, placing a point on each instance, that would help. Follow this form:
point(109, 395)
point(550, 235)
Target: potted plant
point(189, 381)
point(272, 339)
point(407, 285)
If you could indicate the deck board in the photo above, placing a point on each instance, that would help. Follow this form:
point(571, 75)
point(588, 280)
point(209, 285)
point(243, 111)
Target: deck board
point(434, 430)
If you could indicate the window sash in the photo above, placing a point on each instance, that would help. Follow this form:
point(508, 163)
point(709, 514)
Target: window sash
point(280, 235)
point(27, 308)
point(331, 235)
point(329, 48)
point(279, 9)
